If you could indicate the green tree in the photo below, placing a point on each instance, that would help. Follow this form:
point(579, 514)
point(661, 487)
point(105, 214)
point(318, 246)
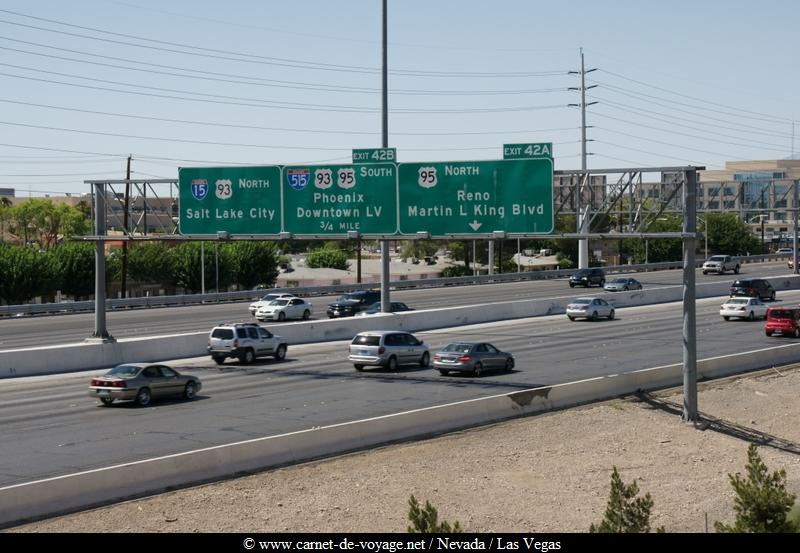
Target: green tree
point(25, 272)
point(253, 263)
point(729, 234)
point(426, 520)
point(762, 504)
point(151, 262)
point(655, 250)
point(39, 219)
point(187, 266)
point(455, 271)
point(625, 513)
point(5, 216)
point(418, 249)
point(73, 265)
point(328, 257)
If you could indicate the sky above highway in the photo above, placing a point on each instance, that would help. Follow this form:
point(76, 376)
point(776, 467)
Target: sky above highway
point(85, 84)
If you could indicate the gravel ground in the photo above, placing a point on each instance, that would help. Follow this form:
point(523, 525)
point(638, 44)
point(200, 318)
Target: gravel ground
point(547, 473)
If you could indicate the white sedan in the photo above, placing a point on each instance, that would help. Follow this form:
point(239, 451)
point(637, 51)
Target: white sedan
point(589, 308)
point(285, 308)
point(743, 308)
point(256, 305)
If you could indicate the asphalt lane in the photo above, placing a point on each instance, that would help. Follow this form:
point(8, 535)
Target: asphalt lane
point(62, 329)
point(51, 426)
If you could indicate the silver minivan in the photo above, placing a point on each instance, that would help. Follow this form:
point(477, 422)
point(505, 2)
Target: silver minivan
point(387, 348)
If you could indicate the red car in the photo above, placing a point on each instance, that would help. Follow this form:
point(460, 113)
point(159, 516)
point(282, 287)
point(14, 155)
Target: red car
point(783, 321)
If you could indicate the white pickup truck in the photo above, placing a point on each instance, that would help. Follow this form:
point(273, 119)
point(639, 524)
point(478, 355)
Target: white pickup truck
point(721, 263)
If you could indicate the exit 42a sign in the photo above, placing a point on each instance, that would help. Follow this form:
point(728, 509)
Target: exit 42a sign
point(528, 151)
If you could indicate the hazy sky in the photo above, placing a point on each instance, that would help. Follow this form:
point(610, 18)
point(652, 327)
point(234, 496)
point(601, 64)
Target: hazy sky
point(183, 83)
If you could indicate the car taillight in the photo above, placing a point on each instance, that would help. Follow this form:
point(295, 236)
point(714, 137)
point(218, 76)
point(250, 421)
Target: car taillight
point(236, 343)
point(437, 357)
point(95, 383)
point(119, 384)
point(464, 358)
point(742, 308)
point(381, 350)
point(753, 291)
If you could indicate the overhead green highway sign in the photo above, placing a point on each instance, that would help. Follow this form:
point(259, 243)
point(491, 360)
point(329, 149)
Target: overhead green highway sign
point(527, 151)
point(337, 199)
point(237, 200)
point(476, 197)
point(375, 155)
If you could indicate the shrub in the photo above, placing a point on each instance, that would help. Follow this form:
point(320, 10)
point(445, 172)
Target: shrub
point(426, 521)
point(625, 512)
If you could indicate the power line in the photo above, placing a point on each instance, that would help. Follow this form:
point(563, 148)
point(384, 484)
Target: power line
point(256, 81)
point(778, 119)
point(266, 103)
point(281, 62)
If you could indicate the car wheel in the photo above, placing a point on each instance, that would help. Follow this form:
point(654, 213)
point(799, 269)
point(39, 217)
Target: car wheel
point(626, 289)
point(189, 391)
point(281, 316)
point(143, 397)
point(280, 353)
point(594, 315)
point(772, 296)
point(444, 372)
point(727, 318)
point(306, 315)
point(107, 401)
point(392, 364)
point(510, 364)
point(751, 316)
point(247, 356)
point(572, 285)
point(602, 283)
point(768, 332)
point(478, 370)
point(359, 367)
point(705, 272)
point(570, 317)
point(796, 333)
point(426, 359)
point(736, 270)
point(218, 359)
point(611, 315)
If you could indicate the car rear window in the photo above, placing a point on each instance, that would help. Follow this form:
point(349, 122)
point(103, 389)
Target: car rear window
point(458, 348)
point(123, 370)
point(746, 283)
point(222, 333)
point(367, 340)
point(781, 314)
point(738, 300)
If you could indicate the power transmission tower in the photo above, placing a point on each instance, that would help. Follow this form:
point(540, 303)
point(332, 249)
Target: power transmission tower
point(582, 215)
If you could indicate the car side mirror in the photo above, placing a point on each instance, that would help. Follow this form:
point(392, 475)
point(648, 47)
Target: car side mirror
point(422, 341)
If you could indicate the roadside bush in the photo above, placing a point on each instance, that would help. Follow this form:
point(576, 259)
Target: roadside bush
point(455, 271)
point(426, 520)
point(625, 513)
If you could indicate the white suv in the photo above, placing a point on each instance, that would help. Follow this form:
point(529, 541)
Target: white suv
point(721, 263)
point(245, 341)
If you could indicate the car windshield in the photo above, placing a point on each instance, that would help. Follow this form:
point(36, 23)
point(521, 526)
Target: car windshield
point(781, 314)
point(717, 258)
point(458, 348)
point(123, 370)
point(279, 302)
point(348, 297)
point(583, 301)
point(366, 340)
point(583, 272)
point(269, 297)
point(620, 280)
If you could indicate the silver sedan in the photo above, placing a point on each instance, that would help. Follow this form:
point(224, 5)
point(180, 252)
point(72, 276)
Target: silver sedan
point(472, 357)
point(589, 308)
point(142, 382)
point(622, 284)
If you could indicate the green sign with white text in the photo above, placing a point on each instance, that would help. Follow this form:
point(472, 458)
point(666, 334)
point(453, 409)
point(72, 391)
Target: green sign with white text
point(528, 151)
point(335, 199)
point(476, 197)
point(375, 155)
point(238, 200)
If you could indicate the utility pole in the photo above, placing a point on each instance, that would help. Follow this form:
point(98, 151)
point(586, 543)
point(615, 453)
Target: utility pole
point(385, 270)
point(124, 284)
point(582, 215)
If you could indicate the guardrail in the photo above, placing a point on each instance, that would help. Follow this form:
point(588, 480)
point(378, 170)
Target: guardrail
point(252, 295)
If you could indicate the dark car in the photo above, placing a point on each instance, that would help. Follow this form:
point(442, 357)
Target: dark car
point(394, 307)
point(141, 382)
point(587, 277)
point(753, 288)
point(351, 303)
